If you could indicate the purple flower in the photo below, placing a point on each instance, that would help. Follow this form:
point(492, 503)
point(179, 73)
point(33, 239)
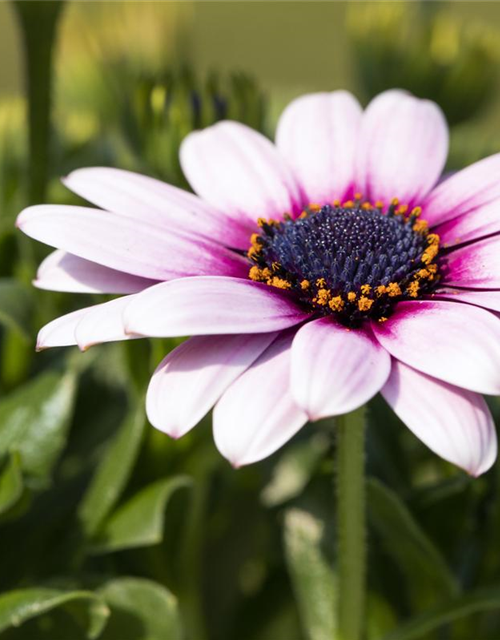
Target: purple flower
point(312, 274)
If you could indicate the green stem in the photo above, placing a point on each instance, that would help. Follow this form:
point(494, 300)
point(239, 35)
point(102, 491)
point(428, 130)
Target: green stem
point(38, 20)
point(351, 548)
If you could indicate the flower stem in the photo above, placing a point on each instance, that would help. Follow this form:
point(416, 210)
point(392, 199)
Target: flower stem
point(351, 550)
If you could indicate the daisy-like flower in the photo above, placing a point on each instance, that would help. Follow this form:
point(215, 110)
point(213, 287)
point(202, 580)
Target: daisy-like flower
point(312, 275)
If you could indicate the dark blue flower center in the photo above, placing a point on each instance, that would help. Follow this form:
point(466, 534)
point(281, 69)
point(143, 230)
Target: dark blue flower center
point(354, 261)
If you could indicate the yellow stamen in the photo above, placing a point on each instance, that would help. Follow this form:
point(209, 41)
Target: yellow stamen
point(393, 289)
point(280, 283)
point(413, 288)
point(305, 284)
point(351, 296)
point(323, 296)
point(336, 303)
point(364, 303)
point(365, 288)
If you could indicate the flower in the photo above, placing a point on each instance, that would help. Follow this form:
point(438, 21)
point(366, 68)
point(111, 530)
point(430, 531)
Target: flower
point(312, 275)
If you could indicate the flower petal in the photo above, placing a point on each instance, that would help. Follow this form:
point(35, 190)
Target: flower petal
point(103, 323)
point(239, 171)
point(317, 135)
point(257, 414)
point(336, 370)
point(62, 271)
point(454, 423)
point(476, 265)
point(403, 148)
point(486, 299)
point(127, 245)
point(61, 331)
point(210, 305)
point(475, 224)
point(190, 380)
point(464, 191)
point(152, 201)
point(457, 343)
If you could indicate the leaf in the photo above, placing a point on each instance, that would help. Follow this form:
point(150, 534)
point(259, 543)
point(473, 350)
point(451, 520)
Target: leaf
point(294, 470)
point(312, 577)
point(17, 607)
point(140, 521)
point(422, 625)
point(35, 419)
point(11, 482)
point(16, 306)
point(403, 538)
point(113, 473)
point(140, 610)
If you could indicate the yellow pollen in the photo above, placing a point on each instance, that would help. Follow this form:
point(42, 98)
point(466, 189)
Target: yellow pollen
point(365, 288)
point(253, 251)
point(402, 209)
point(303, 215)
point(305, 284)
point(394, 202)
point(393, 289)
point(351, 296)
point(416, 211)
point(314, 207)
point(366, 206)
point(323, 296)
point(336, 303)
point(364, 303)
point(348, 204)
point(321, 283)
point(423, 273)
point(280, 283)
point(336, 203)
point(413, 288)
point(275, 266)
point(261, 222)
point(258, 274)
point(432, 268)
point(358, 196)
point(420, 226)
point(382, 319)
point(379, 204)
point(380, 290)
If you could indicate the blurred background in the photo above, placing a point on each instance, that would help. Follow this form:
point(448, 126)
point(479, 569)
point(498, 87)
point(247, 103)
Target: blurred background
point(109, 529)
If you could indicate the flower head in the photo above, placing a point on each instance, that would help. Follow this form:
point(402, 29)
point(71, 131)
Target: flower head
point(312, 275)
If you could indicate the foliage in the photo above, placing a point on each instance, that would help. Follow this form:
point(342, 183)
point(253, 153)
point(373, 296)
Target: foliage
point(112, 531)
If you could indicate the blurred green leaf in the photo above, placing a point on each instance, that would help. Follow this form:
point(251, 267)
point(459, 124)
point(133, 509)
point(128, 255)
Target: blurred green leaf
point(17, 607)
point(140, 610)
point(11, 482)
point(139, 522)
point(294, 470)
point(312, 578)
point(35, 420)
point(422, 625)
point(114, 471)
point(403, 538)
point(16, 306)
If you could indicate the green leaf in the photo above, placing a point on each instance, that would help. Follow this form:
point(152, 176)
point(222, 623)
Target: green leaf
point(422, 625)
point(294, 470)
point(140, 521)
point(140, 610)
point(113, 473)
point(35, 419)
point(312, 577)
point(11, 482)
point(404, 539)
point(17, 607)
point(16, 306)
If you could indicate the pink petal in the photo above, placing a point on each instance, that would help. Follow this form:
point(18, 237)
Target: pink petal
point(486, 299)
point(127, 245)
point(257, 414)
point(61, 331)
point(152, 201)
point(190, 380)
point(317, 135)
point(467, 190)
point(403, 148)
point(336, 370)
point(457, 343)
point(239, 171)
point(454, 423)
point(476, 265)
point(62, 271)
point(210, 305)
point(103, 323)
point(480, 222)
